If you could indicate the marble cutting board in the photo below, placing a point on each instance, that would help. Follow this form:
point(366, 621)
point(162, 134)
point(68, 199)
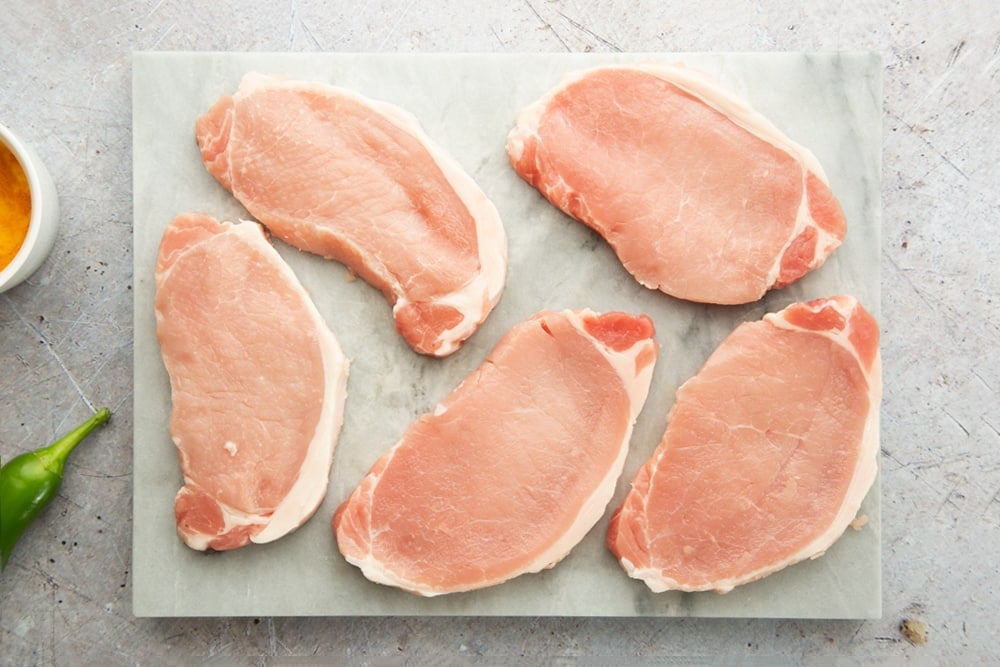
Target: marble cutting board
point(830, 103)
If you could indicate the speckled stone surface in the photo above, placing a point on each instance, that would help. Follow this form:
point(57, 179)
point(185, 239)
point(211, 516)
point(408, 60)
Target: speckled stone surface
point(66, 334)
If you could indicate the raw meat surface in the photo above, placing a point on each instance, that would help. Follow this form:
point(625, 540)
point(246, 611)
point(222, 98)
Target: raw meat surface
point(352, 179)
point(767, 455)
point(257, 384)
point(514, 467)
point(700, 196)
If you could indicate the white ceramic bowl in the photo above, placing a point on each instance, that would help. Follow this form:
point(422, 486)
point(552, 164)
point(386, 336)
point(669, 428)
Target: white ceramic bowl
point(44, 214)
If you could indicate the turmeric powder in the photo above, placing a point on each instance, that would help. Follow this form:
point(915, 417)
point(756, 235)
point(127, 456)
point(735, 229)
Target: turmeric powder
point(15, 206)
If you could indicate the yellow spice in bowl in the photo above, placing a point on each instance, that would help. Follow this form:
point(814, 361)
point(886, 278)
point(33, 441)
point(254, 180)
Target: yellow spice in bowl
point(15, 206)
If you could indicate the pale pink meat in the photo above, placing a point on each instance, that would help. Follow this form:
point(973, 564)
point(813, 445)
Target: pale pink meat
point(257, 384)
point(356, 180)
point(514, 467)
point(700, 196)
point(768, 453)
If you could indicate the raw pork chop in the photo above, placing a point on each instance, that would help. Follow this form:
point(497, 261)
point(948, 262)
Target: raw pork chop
point(767, 455)
point(257, 384)
point(514, 467)
point(356, 180)
point(700, 196)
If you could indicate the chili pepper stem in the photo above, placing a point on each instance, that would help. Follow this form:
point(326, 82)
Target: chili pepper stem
point(54, 456)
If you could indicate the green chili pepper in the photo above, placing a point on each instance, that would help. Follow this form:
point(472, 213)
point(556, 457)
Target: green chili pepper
point(30, 481)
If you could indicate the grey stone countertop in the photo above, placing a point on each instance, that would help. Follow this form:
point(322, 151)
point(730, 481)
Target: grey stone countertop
point(66, 334)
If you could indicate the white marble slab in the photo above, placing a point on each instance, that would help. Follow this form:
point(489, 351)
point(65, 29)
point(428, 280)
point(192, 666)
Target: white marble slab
point(828, 102)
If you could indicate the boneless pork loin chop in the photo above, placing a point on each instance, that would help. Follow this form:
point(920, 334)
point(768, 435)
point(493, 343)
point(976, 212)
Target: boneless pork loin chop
point(514, 467)
point(357, 180)
point(768, 453)
point(699, 195)
point(257, 384)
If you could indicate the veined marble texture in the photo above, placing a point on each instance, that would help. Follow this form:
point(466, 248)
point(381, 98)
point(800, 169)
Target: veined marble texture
point(830, 103)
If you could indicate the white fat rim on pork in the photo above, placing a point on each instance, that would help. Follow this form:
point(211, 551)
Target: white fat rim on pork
point(482, 292)
point(309, 488)
point(865, 470)
point(593, 508)
point(707, 89)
